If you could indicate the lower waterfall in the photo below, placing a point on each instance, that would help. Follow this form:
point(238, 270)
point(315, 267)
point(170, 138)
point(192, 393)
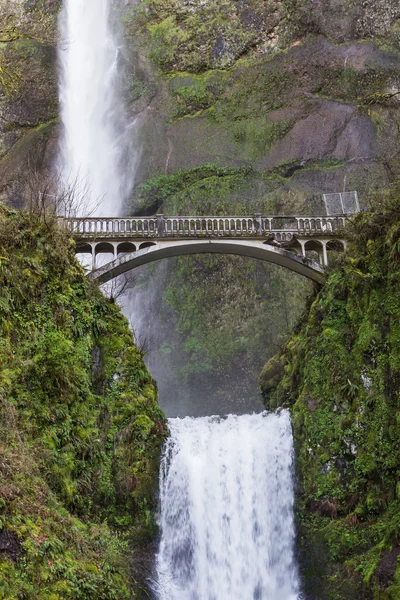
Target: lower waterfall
point(226, 510)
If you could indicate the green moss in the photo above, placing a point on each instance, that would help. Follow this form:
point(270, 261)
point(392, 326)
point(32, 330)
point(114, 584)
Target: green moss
point(207, 35)
point(192, 93)
point(194, 191)
point(166, 37)
point(80, 428)
point(258, 135)
point(341, 378)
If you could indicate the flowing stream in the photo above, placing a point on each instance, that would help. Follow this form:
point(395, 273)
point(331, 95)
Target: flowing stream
point(97, 151)
point(227, 526)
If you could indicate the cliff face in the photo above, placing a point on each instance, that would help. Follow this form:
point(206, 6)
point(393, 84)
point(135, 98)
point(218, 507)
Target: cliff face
point(340, 374)
point(256, 106)
point(28, 86)
point(303, 92)
point(298, 90)
point(80, 427)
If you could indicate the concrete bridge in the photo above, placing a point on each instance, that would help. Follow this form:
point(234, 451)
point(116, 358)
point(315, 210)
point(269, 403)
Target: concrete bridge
point(300, 243)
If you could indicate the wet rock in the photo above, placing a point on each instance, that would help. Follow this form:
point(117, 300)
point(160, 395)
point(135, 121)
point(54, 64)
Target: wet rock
point(387, 566)
point(10, 546)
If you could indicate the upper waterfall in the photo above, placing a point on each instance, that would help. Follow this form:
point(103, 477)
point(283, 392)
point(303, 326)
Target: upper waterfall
point(227, 525)
point(97, 154)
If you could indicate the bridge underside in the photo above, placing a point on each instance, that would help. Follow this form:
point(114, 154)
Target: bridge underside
point(250, 248)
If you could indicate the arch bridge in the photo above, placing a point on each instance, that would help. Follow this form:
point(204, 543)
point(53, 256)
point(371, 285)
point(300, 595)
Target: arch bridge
point(300, 243)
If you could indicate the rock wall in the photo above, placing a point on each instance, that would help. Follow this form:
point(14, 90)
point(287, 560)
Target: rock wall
point(299, 90)
point(302, 91)
point(28, 86)
point(340, 374)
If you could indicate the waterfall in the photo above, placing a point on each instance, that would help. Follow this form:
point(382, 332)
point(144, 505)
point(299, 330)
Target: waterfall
point(97, 154)
point(226, 495)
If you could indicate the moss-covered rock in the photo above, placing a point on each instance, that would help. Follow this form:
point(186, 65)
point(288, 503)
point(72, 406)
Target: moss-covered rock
point(80, 427)
point(341, 376)
point(193, 36)
point(28, 74)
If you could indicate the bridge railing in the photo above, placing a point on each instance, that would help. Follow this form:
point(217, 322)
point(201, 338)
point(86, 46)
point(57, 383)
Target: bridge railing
point(198, 226)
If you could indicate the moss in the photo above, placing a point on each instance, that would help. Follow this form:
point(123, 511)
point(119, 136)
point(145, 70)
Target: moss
point(223, 313)
point(80, 428)
point(256, 136)
point(270, 378)
point(207, 35)
point(192, 93)
point(341, 379)
point(168, 192)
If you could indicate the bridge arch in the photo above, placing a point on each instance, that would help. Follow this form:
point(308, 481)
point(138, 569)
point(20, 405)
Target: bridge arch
point(170, 248)
point(125, 248)
point(335, 246)
point(146, 245)
point(104, 248)
point(84, 248)
point(314, 248)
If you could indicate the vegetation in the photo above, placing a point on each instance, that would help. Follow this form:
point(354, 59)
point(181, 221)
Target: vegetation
point(214, 319)
point(80, 428)
point(286, 99)
point(340, 374)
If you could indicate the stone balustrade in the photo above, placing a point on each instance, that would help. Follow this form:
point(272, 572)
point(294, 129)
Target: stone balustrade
point(160, 226)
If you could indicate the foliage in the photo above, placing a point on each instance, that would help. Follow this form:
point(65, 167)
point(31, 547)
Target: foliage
point(340, 373)
point(80, 428)
point(215, 318)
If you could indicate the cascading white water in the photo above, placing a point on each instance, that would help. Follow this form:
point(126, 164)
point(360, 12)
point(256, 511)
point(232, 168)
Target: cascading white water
point(97, 154)
point(227, 525)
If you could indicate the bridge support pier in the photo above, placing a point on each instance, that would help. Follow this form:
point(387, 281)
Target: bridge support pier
point(324, 253)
